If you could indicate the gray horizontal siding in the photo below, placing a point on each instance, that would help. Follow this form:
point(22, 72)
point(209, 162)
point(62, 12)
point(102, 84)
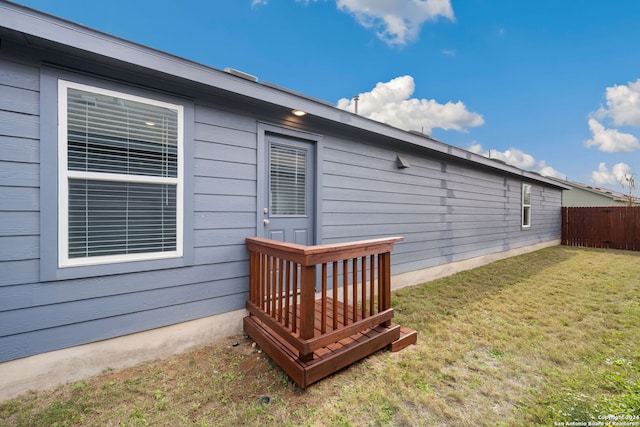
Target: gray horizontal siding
point(37, 294)
point(14, 248)
point(19, 223)
point(19, 272)
point(445, 211)
point(19, 174)
point(20, 125)
point(219, 169)
point(20, 199)
point(19, 150)
point(42, 340)
point(36, 317)
point(20, 100)
point(78, 311)
point(19, 75)
point(19, 180)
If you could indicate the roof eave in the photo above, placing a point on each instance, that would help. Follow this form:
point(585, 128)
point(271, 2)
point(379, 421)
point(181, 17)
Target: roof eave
point(41, 25)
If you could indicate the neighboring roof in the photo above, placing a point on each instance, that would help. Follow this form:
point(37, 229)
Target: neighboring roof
point(47, 31)
point(615, 196)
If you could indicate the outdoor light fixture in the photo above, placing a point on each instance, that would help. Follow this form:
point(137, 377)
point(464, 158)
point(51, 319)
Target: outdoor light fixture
point(299, 113)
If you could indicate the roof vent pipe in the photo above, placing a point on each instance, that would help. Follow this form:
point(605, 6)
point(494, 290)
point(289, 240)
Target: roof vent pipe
point(241, 74)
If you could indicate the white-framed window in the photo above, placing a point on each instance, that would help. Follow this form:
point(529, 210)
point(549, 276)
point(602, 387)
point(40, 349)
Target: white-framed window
point(526, 205)
point(120, 177)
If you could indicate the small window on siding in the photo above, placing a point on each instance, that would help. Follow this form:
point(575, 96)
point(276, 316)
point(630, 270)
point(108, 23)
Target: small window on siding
point(526, 205)
point(288, 180)
point(120, 177)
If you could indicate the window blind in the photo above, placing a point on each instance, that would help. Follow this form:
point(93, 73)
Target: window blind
point(137, 143)
point(114, 135)
point(288, 170)
point(114, 218)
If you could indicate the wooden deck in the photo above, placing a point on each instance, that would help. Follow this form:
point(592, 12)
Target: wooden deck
point(312, 335)
point(326, 360)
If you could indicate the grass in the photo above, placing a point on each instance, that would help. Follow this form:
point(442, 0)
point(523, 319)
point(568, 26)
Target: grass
point(548, 338)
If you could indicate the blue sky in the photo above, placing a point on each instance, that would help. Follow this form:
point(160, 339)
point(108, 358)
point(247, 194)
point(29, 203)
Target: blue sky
point(547, 85)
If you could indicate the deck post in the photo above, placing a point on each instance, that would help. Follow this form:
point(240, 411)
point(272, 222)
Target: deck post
point(307, 305)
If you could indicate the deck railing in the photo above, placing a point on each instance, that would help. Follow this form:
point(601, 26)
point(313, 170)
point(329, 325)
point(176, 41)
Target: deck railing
point(352, 284)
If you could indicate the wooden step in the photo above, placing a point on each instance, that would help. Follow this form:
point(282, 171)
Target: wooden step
point(407, 337)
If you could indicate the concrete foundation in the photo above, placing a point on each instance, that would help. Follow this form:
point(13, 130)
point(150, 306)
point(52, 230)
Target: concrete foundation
point(72, 364)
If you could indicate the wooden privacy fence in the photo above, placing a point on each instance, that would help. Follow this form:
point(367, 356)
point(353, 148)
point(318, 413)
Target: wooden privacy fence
point(616, 227)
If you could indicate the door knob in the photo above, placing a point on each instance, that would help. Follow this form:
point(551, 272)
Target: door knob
point(266, 222)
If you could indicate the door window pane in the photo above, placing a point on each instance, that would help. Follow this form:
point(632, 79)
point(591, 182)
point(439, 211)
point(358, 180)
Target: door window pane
point(287, 180)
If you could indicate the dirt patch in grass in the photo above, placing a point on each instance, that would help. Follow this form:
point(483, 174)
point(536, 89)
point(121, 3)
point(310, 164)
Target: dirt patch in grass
point(544, 338)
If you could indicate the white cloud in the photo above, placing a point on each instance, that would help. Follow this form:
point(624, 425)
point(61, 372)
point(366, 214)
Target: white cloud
point(616, 175)
point(623, 104)
point(519, 159)
point(623, 109)
point(610, 140)
point(391, 103)
point(449, 52)
point(258, 2)
point(396, 22)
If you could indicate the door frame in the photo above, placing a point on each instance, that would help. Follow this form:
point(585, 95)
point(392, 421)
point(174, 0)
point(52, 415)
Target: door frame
point(315, 140)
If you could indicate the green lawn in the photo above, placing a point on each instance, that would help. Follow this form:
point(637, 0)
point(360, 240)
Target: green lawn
point(546, 338)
